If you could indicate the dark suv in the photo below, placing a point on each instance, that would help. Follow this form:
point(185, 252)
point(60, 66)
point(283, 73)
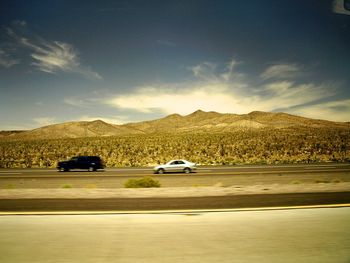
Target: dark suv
point(92, 163)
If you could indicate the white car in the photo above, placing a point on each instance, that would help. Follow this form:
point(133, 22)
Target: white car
point(175, 166)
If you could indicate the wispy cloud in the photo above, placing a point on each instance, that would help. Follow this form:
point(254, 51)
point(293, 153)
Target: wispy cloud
point(169, 101)
point(75, 102)
point(44, 121)
point(225, 91)
point(50, 56)
point(204, 70)
point(215, 97)
point(111, 120)
point(281, 71)
point(6, 60)
point(337, 110)
point(82, 102)
point(285, 94)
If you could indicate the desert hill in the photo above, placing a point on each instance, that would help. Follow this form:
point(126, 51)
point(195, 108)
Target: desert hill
point(201, 121)
point(198, 121)
point(75, 130)
point(10, 133)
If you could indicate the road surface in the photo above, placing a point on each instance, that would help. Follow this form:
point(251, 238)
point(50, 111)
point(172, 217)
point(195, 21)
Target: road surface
point(142, 171)
point(288, 236)
point(171, 203)
point(205, 176)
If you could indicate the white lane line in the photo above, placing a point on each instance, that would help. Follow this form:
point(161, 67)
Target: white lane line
point(179, 211)
point(9, 173)
point(274, 172)
point(125, 170)
point(279, 167)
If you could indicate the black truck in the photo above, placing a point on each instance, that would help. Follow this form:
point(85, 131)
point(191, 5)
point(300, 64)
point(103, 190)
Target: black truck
point(91, 163)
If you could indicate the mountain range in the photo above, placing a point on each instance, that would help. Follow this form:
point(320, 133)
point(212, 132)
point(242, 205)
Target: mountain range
point(198, 121)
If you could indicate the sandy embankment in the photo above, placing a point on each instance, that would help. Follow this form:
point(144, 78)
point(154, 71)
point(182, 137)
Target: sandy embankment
point(173, 191)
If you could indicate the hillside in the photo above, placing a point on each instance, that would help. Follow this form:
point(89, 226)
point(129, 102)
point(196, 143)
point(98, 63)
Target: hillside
point(9, 133)
point(198, 121)
point(201, 121)
point(75, 130)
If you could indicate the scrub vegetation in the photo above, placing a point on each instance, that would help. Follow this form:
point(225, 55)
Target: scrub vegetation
point(249, 146)
point(145, 182)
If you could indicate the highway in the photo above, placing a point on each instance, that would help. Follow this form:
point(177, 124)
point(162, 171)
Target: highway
point(204, 176)
point(271, 236)
point(203, 170)
point(67, 205)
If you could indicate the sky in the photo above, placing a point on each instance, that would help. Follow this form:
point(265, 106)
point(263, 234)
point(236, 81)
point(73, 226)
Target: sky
point(128, 61)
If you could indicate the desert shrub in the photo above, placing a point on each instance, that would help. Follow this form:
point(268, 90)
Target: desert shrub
point(262, 146)
point(10, 186)
point(336, 181)
point(321, 181)
point(145, 182)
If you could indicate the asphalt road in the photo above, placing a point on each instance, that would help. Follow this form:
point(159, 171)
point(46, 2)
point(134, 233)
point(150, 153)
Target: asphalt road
point(288, 236)
point(172, 203)
point(204, 176)
point(203, 170)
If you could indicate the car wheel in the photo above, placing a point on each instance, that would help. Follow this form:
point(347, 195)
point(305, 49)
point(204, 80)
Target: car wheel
point(62, 169)
point(187, 170)
point(91, 169)
point(160, 171)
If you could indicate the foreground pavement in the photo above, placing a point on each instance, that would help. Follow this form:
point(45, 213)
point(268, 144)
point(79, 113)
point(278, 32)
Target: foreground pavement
point(48, 205)
point(303, 235)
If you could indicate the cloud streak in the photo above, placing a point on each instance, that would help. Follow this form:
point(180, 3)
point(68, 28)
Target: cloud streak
point(6, 60)
point(44, 121)
point(338, 110)
point(51, 56)
point(111, 120)
point(166, 100)
point(216, 97)
point(232, 92)
point(281, 71)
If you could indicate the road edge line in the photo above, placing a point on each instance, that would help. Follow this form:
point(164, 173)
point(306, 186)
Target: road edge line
point(180, 211)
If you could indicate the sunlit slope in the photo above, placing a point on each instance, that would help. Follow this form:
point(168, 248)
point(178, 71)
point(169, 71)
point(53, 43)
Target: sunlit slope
point(75, 130)
point(198, 121)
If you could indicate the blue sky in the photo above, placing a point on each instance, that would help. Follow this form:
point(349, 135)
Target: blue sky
point(126, 61)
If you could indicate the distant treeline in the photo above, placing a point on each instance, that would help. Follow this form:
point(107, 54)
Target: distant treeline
point(270, 146)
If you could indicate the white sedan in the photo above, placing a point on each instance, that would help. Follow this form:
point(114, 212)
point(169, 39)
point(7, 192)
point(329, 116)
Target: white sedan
point(175, 166)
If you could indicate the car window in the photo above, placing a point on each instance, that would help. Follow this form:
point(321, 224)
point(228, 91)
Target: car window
point(94, 159)
point(82, 159)
point(174, 162)
point(180, 162)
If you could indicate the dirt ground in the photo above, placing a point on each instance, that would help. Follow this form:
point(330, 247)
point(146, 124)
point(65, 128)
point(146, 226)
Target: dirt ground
point(218, 190)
